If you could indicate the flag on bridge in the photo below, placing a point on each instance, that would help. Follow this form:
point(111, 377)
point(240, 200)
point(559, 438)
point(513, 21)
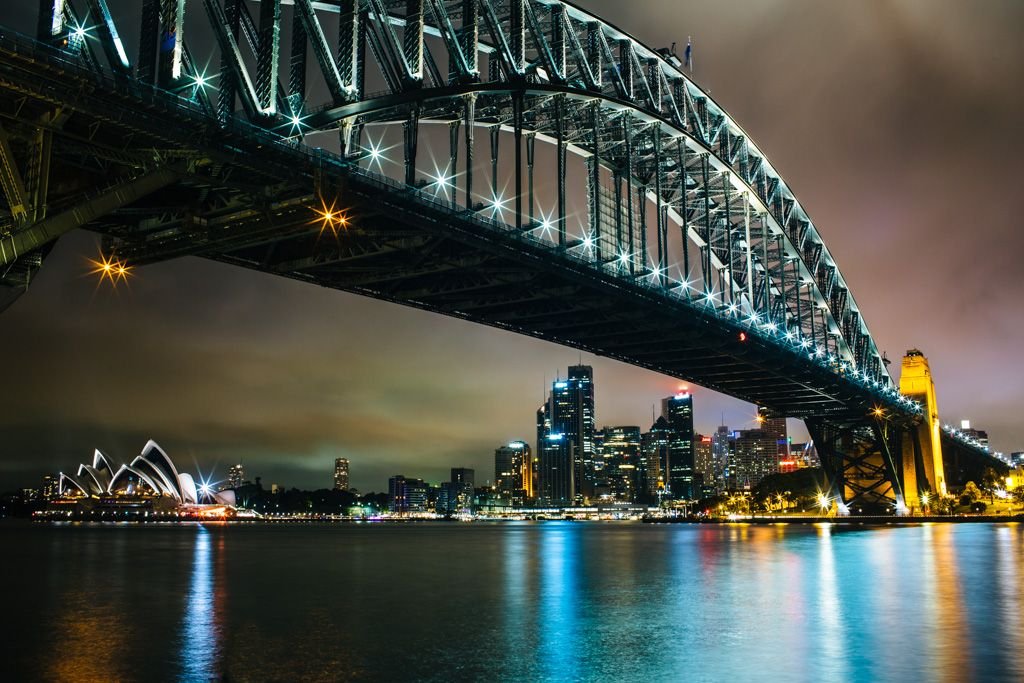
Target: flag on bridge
point(689, 54)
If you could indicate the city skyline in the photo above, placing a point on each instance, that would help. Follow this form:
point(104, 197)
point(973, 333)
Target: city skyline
point(225, 365)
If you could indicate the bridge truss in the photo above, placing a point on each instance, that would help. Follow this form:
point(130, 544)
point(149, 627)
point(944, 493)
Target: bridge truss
point(645, 226)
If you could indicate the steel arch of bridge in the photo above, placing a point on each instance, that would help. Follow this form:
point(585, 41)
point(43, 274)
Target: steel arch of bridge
point(680, 203)
point(553, 72)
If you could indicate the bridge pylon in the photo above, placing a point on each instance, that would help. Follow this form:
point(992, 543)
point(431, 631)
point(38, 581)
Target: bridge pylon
point(922, 451)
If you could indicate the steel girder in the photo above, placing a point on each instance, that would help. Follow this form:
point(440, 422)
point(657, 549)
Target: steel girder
point(659, 152)
point(758, 251)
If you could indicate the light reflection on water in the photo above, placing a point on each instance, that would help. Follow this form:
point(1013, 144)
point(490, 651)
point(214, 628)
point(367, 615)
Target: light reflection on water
point(201, 636)
point(515, 601)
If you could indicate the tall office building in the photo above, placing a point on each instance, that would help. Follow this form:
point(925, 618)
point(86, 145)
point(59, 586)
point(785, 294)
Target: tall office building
point(776, 428)
point(704, 462)
point(407, 494)
point(236, 477)
point(720, 449)
point(341, 474)
point(656, 444)
point(565, 439)
point(463, 482)
point(678, 411)
point(622, 467)
point(513, 472)
point(754, 455)
point(50, 488)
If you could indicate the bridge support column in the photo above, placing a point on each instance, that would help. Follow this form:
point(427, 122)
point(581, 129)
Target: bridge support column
point(922, 451)
point(469, 122)
point(859, 460)
point(412, 129)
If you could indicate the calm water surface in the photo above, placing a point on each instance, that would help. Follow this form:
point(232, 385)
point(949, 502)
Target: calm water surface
point(512, 601)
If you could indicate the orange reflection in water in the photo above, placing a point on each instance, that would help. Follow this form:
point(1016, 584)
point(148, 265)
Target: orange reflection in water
point(950, 644)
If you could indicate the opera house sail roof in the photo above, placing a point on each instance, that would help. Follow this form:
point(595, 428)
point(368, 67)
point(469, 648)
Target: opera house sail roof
point(151, 473)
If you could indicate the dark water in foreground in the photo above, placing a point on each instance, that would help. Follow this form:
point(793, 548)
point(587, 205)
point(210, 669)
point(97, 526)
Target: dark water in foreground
point(512, 601)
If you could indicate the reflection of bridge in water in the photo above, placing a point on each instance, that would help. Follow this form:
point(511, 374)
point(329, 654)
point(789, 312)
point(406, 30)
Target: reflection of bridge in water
point(687, 253)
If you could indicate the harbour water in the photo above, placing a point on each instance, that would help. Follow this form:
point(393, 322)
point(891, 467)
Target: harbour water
point(512, 601)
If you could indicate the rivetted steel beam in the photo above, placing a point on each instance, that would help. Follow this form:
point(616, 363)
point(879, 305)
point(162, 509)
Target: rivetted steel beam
point(351, 39)
point(225, 31)
point(458, 67)
point(11, 180)
point(268, 55)
point(49, 229)
point(297, 65)
point(411, 129)
point(51, 21)
point(469, 35)
point(315, 34)
point(172, 41)
point(561, 165)
point(109, 38)
point(149, 30)
point(412, 40)
point(594, 180)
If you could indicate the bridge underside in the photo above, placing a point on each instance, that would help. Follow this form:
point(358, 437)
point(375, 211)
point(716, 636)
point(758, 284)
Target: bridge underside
point(162, 179)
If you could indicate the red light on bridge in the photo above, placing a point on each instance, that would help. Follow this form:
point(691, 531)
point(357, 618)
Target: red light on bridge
point(743, 336)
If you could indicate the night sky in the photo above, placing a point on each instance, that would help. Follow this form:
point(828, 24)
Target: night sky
point(895, 123)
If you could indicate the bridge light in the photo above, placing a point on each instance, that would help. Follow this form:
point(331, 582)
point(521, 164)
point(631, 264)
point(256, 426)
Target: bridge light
point(771, 327)
point(588, 242)
point(743, 336)
point(110, 269)
point(878, 412)
point(733, 308)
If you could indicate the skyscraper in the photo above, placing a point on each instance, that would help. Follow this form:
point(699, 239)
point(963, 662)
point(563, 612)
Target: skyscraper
point(341, 474)
point(622, 466)
point(513, 472)
point(678, 411)
point(463, 479)
point(754, 456)
point(655, 445)
point(565, 439)
point(776, 428)
point(704, 461)
point(720, 449)
point(236, 476)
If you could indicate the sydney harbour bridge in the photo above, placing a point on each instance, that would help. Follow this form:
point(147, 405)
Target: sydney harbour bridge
point(518, 163)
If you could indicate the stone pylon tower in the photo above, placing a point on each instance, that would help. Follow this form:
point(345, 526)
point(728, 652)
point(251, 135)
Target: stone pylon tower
point(922, 451)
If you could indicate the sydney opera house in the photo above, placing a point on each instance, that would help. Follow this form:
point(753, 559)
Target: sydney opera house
point(151, 479)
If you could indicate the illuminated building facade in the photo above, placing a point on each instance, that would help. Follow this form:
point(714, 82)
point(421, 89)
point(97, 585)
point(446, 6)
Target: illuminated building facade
point(656, 444)
point(678, 411)
point(704, 460)
point(151, 476)
point(236, 477)
point(565, 439)
point(753, 456)
point(341, 474)
point(622, 465)
point(407, 495)
point(776, 428)
point(721, 446)
point(513, 472)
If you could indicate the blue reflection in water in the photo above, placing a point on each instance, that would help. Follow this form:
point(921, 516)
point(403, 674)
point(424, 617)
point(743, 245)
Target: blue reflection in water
point(200, 647)
point(560, 600)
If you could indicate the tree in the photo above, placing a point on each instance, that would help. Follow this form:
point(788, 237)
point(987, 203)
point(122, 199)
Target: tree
point(990, 481)
point(971, 491)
